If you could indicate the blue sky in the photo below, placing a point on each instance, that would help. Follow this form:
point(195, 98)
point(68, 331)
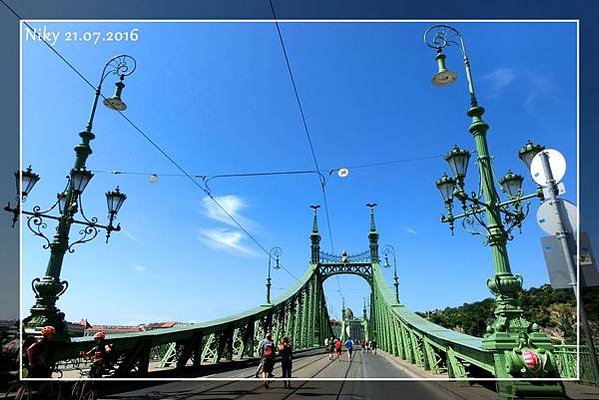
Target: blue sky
point(217, 98)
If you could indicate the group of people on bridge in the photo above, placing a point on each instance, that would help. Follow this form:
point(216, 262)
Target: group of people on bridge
point(267, 353)
point(38, 358)
point(335, 345)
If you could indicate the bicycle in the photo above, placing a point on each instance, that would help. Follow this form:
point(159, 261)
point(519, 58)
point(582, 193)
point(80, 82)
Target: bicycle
point(22, 390)
point(82, 389)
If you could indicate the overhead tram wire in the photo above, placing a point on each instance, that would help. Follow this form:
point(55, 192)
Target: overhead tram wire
point(154, 144)
point(306, 130)
point(207, 178)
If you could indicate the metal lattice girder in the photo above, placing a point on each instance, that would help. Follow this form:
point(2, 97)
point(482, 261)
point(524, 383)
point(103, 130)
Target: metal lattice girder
point(400, 343)
point(289, 320)
point(455, 368)
point(417, 346)
point(304, 323)
point(210, 350)
point(136, 360)
point(297, 322)
point(170, 356)
point(186, 349)
point(238, 344)
point(432, 360)
point(226, 346)
point(363, 269)
point(409, 349)
point(248, 339)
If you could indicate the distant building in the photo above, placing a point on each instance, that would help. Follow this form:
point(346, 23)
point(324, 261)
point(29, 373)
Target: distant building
point(88, 329)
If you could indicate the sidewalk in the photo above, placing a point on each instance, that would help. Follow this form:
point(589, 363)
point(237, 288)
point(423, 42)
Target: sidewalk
point(467, 391)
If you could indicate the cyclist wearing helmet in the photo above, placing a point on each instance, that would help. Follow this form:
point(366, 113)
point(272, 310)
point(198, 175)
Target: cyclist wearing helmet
point(39, 354)
point(100, 355)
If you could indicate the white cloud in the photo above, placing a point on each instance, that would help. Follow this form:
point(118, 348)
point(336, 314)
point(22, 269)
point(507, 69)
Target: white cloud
point(138, 268)
point(131, 236)
point(411, 231)
point(225, 239)
point(541, 87)
point(231, 204)
point(499, 79)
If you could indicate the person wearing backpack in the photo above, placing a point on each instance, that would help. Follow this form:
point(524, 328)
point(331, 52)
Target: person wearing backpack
point(268, 355)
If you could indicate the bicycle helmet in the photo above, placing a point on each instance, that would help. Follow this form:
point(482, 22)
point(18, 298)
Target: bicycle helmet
point(48, 330)
point(100, 335)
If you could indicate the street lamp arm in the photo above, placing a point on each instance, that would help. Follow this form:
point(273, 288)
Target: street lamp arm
point(461, 195)
point(440, 36)
point(443, 39)
point(518, 199)
point(36, 218)
point(464, 198)
point(118, 66)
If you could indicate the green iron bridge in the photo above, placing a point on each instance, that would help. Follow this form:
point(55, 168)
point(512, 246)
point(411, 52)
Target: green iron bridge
point(301, 314)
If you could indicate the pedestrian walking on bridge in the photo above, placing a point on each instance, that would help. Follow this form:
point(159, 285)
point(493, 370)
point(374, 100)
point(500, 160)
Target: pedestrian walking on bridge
point(268, 356)
point(286, 353)
point(331, 348)
point(338, 349)
point(349, 345)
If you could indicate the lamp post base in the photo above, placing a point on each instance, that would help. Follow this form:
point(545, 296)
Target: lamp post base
point(45, 313)
point(507, 390)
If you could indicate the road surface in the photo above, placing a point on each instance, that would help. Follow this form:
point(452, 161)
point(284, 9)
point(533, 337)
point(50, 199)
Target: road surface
point(364, 365)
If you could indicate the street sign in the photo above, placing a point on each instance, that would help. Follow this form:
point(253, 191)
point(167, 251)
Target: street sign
point(588, 266)
point(548, 218)
point(557, 163)
point(556, 261)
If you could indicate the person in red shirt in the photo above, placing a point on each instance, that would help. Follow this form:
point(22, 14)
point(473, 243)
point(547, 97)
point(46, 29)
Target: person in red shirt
point(338, 349)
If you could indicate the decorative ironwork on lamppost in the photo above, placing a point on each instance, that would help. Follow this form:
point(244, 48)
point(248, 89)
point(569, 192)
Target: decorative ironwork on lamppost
point(390, 250)
point(485, 209)
point(69, 204)
point(275, 253)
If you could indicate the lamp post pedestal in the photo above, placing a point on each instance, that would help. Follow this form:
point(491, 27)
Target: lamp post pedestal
point(47, 291)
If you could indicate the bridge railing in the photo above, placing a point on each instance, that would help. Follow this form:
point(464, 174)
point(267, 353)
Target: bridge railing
point(441, 350)
point(567, 363)
point(405, 334)
point(233, 338)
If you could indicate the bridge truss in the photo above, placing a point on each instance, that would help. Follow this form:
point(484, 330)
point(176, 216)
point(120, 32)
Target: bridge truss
point(301, 314)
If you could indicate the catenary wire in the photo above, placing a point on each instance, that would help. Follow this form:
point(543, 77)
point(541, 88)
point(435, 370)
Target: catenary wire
point(306, 130)
point(155, 145)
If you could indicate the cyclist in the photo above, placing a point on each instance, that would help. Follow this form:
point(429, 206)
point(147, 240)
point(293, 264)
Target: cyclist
point(40, 360)
point(39, 354)
point(100, 353)
point(101, 359)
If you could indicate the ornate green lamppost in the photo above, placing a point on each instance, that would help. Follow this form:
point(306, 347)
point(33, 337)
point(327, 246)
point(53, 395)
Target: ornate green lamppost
point(510, 333)
point(275, 253)
point(390, 250)
point(49, 288)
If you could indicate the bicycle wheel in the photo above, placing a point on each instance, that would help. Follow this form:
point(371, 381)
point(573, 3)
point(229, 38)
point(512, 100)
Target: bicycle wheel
point(15, 388)
point(54, 391)
point(86, 391)
point(76, 390)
